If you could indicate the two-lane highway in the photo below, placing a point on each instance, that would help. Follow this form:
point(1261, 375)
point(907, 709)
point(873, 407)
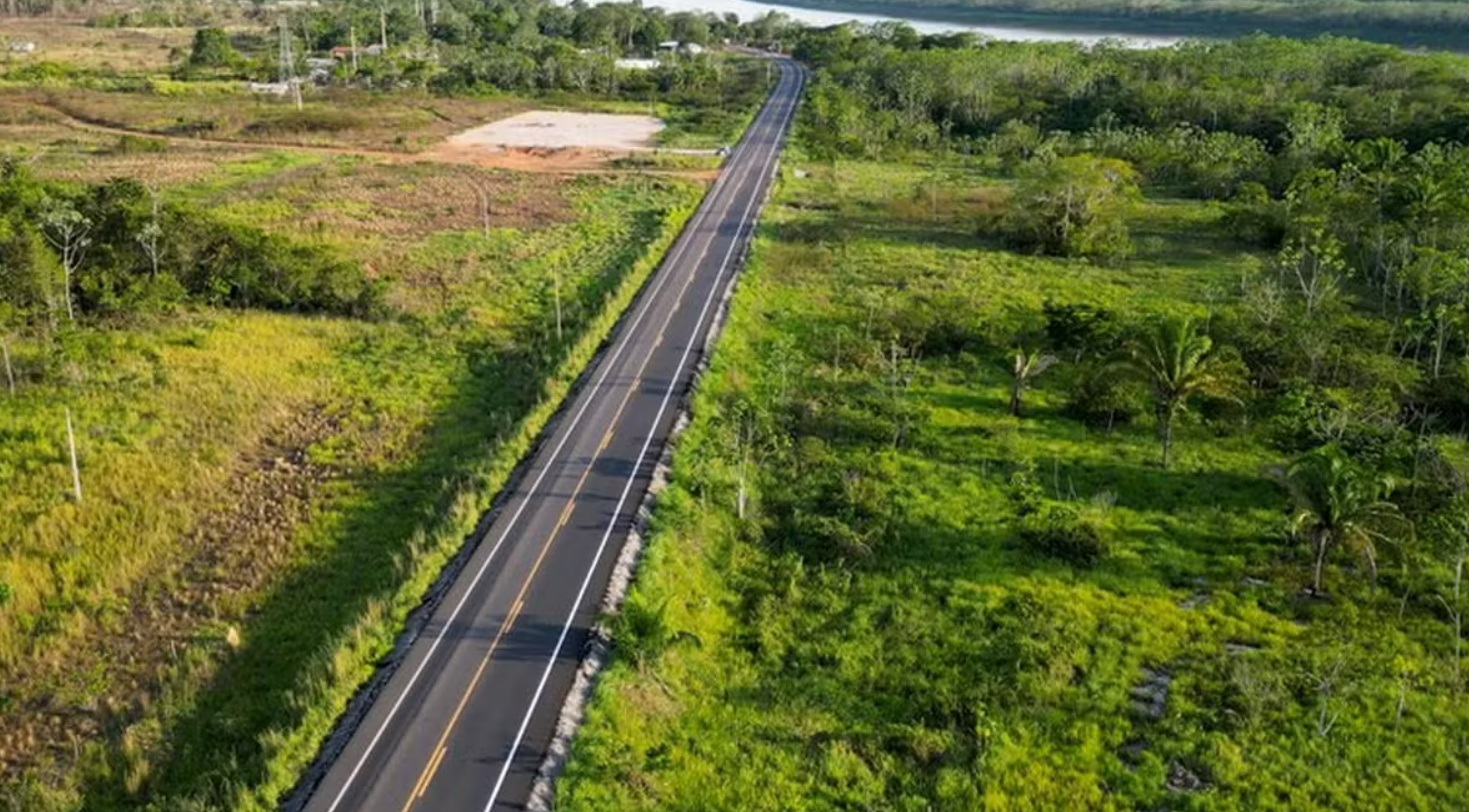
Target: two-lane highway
point(464, 722)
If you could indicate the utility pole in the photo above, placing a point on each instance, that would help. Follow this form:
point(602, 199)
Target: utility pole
point(352, 35)
point(382, 27)
point(288, 63)
point(286, 67)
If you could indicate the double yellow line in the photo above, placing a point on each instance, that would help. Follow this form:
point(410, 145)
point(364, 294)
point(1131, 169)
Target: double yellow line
point(440, 749)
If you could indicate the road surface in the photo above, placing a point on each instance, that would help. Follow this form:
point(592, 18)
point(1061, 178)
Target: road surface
point(464, 722)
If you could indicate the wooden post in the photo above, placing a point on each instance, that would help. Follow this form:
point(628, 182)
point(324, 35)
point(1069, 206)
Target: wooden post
point(557, 271)
point(484, 206)
point(9, 370)
point(71, 442)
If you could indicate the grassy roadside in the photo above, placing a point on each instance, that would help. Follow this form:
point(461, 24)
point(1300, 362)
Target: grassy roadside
point(279, 610)
point(874, 634)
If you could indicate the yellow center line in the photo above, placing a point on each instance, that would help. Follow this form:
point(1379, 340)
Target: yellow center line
point(431, 767)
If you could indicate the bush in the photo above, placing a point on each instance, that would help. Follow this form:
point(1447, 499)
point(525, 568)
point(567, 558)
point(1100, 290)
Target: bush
point(1102, 398)
point(138, 145)
point(303, 122)
point(1064, 533)
point(1072, 207)
point(212, 49)
point(1254, 217)
point(199, 258)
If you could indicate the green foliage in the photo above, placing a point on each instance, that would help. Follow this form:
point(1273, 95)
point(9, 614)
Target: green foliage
point(1338, 504)
point(1023, 100)
point(212, 49)
point(877, 632)
point(200, 257)
point(1178, 363)
point(1062, 532)
point(1072, 207)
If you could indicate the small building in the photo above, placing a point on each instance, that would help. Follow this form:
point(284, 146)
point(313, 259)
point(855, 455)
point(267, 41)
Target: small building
point(22, 47)
point(269, 88)
point(319, 71)
point(344, 52)
point(674, 46)
point(638, 64)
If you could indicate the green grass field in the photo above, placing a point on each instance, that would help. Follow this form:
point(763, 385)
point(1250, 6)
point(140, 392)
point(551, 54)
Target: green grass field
point(874, 635)
point(268, 495)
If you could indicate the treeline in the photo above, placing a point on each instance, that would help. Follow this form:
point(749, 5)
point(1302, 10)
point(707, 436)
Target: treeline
point(117, 250)
point(922, 91)
point(1340, 168)
point(510, 45)
point(1406, 21)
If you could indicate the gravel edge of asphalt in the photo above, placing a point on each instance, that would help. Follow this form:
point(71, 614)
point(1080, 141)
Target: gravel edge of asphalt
point(624, 572)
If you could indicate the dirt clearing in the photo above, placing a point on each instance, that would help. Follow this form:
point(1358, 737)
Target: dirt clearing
point(556, 130)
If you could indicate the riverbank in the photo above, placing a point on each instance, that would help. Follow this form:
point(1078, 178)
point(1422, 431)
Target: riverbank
point(1411, 28)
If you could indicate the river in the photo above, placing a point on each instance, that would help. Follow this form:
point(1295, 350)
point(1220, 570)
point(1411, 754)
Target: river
point(747, 10)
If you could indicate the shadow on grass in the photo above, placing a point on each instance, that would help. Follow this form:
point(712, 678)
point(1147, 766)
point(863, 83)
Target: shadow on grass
point(215, 747)
point(833, 227)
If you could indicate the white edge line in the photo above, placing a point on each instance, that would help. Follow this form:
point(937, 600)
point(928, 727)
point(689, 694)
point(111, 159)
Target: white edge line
point(643, 308)
point(586, 582)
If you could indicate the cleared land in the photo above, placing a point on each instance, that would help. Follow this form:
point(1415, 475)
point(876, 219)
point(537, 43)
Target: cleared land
point(71, 41)
point(555, 129)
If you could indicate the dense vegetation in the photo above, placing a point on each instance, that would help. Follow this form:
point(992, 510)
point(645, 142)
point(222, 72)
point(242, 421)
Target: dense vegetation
point(113, 250)
point(1048, 463)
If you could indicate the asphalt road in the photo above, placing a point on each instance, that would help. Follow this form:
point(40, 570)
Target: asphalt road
point(464, 722)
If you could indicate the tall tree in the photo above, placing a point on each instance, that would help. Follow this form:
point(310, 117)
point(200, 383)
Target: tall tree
point(69, 232)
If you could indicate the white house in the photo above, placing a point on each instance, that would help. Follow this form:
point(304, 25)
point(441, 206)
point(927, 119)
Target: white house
point(638, 64)
point(674, 46)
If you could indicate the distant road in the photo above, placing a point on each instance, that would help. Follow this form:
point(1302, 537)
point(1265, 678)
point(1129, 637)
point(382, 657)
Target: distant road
point(464, 722)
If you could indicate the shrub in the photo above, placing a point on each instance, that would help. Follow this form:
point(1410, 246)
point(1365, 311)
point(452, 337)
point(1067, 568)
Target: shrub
point(1062, 532)
point(1103, 398)
point(212, 49)
point(138, 145)
point(1073, 207)
point(302, 122)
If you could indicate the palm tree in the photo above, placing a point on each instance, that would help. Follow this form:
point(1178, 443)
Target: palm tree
point(1177, 361)
point(1027, 367)
point(1337, 503)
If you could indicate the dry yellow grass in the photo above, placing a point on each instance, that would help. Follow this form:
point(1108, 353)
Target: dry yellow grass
point(124, 50)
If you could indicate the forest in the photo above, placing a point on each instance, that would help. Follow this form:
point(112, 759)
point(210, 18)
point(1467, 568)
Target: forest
point(1087, 434)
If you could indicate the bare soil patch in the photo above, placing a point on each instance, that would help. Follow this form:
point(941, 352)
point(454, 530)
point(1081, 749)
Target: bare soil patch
point(561, 129)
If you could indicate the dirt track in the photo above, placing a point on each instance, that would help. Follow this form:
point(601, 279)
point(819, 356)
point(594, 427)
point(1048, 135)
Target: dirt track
point(560, 160)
